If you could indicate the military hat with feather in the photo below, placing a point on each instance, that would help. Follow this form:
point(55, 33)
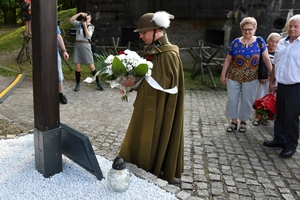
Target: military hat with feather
point(149, 21)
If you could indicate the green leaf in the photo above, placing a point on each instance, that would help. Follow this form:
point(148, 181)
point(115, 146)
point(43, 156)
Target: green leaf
point(117, 67)
point(99, 62)
point(141, 69)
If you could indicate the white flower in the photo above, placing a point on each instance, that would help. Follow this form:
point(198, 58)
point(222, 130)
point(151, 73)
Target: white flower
point(130, 60)
point(126, 65)
point(109, 59)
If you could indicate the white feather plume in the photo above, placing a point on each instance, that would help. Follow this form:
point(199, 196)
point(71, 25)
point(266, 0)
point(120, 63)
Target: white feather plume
point(162, 19)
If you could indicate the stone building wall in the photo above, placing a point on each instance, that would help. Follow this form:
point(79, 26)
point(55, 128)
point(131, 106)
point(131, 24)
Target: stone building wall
point(213, 21)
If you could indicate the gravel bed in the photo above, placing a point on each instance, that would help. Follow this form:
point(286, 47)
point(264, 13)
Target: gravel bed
point(20, 180)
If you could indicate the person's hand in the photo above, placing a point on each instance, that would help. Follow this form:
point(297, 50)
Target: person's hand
point(128, 81)
point(223, 80)
point(83, 14)
point(263, 81)
point(272, 89)
point(66, 55)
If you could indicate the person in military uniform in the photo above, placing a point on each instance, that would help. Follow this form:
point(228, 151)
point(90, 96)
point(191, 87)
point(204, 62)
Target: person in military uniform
point(154, 138)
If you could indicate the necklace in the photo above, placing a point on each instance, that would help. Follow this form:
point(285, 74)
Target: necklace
point(246, 43)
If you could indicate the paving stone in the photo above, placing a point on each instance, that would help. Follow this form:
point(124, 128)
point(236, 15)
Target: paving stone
point(202, 186)
point(172, 188)
point(218, 164)
point(10, 136)
point(161, 183)
point(187, 186)
point(288, 197)
point(232, 189)
point(183, 195)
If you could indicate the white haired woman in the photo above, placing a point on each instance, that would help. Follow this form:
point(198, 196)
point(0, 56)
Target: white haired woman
point(263, 87)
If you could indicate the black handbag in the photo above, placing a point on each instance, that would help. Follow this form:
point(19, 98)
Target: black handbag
point(262, 69)
point(93, 47)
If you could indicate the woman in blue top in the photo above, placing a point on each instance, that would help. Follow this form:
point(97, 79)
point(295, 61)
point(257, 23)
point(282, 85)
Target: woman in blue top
point(240, 73)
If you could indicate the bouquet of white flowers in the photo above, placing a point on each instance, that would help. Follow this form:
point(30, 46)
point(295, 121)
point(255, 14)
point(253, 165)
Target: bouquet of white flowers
point(127, 66)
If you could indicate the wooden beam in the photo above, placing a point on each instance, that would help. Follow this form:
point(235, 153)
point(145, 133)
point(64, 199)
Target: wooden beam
point(44, 57)
point(47, 132)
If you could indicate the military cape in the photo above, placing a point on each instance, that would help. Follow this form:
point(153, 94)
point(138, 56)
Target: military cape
point(154, 138)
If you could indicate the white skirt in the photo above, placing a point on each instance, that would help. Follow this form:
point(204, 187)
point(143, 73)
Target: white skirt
point(262, 90)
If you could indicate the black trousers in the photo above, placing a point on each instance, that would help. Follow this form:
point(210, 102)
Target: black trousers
point(286, 125)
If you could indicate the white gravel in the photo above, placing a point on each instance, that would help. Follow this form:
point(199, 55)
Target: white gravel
point(20, 180)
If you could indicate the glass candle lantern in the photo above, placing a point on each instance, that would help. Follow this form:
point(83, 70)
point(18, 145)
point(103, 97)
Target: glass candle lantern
point(118, 177)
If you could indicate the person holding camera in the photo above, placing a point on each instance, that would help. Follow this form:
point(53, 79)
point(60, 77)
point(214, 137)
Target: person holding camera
point(82, 49)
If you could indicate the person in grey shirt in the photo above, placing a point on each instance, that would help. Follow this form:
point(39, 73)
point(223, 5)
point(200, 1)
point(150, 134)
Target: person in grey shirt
point(82, 49)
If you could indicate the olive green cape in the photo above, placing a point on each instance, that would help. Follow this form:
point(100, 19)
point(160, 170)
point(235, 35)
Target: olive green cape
point(154, 139)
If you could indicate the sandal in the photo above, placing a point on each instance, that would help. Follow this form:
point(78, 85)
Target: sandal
point(256, 122)
point(232, 127)
point(242, 127)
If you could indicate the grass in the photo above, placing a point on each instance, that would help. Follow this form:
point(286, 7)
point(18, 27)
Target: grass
point(11, 43)
point(11, 40)
point(7, 72)
point(205, 83)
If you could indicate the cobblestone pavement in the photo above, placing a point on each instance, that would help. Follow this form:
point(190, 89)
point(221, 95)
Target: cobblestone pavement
point(218, 165)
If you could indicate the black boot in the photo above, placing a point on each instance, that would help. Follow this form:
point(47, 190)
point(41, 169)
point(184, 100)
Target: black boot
point(62, 98)
point(100, 86)
point(77, 78)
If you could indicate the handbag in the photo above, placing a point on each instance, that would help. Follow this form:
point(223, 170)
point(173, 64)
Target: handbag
point(93, 46)
point(262, 69)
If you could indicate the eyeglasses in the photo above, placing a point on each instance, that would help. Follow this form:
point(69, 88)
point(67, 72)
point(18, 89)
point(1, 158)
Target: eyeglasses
point(142, 33)
point(247, 30)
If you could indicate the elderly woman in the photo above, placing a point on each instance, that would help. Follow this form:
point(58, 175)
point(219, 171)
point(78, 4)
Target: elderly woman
point(263, 87)
point(240, 73)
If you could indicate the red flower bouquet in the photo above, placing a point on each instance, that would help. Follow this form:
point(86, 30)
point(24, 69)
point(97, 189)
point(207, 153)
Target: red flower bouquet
point(266, 106)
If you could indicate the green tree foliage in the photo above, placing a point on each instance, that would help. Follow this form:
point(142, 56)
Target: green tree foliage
point(66, 4)
point(10, 10)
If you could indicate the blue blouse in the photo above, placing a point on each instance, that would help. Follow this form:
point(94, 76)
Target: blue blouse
point(245, 60)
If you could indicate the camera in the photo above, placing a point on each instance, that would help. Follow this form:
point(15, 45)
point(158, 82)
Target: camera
point(84, 19)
